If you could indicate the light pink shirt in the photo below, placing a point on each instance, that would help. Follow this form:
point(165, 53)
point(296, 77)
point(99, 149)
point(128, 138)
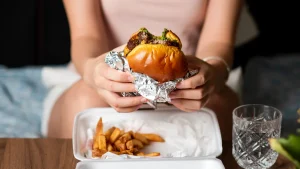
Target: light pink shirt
point(183, 17)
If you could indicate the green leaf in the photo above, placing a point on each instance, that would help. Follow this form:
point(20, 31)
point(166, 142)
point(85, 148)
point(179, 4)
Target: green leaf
point(164, 34)
point(292, 145)
point(277, 146)
point(144, 30)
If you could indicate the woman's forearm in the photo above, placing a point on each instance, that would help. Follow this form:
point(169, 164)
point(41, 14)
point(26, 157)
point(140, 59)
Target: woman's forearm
point(219, 29)
point(88, 31)
point(217, 49)
point(218, 33)
point(84, 48)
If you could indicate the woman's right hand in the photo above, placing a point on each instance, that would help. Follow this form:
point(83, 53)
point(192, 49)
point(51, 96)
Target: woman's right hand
point(109, 82)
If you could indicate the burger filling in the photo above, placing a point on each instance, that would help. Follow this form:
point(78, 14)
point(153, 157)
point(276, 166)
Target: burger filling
point(144, 37)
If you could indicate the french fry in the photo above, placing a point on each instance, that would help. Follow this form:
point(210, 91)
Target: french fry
point(129, 144)
point(140, 137)
point(99, 131)
point(137, 143)
point(152, 154)
point(110, 147)
point(120, 146)
point(99, 128)
point(117, 141)
point(131, 133)
point(135, 150)
point(140, 154)
point(127, 152)
point(125, 137)
point(95, 144)
point(98, 153)
point(116, 152)
point(115, 147)
point(130, 151)
point(109, 132)
point(115, 135)
point(101, 142)
point(154, 137)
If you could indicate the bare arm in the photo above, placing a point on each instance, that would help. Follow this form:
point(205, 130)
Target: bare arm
point(88, 35)
point(219, 30)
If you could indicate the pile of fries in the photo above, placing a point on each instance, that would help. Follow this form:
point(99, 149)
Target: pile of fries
point(119, 142)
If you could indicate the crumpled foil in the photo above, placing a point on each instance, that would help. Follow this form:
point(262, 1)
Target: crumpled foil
point(145, 85)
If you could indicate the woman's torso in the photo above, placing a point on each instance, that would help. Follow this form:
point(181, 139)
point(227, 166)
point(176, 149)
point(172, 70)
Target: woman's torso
point(184, 17)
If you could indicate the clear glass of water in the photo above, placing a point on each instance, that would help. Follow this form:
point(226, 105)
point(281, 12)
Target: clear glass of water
point(253, 125)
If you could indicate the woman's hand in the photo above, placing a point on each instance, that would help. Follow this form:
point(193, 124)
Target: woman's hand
point(194, 93)
point(108, 82)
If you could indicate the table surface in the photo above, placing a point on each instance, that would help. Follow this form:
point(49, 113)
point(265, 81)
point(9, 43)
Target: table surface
point(58, 153)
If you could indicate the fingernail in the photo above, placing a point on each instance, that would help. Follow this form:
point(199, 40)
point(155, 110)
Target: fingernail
point(144, 100)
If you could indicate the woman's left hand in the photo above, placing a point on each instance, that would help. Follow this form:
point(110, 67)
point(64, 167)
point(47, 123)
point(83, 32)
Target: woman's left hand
point(194, 93)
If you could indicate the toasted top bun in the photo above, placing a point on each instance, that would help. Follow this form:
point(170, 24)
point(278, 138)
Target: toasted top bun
point(160, 59)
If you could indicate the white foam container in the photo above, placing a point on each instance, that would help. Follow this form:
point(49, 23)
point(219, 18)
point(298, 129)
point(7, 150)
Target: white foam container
point(89, 118)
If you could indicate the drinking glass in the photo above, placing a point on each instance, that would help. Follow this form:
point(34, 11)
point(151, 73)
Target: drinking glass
point(253, 125)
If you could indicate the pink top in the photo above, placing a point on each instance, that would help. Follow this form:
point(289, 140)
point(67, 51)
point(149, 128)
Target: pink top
point(183, 17)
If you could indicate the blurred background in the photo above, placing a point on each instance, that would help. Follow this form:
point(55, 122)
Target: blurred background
point(35, 34)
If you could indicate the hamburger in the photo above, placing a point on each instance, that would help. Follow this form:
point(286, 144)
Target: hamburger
point(159, 57)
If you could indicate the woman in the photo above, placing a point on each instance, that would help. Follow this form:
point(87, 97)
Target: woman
point(98, 26)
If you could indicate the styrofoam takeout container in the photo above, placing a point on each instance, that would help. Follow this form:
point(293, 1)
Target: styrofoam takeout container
point(90, 117)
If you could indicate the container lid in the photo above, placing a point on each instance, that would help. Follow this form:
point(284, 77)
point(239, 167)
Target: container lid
point(150, 164)
point(88, 119)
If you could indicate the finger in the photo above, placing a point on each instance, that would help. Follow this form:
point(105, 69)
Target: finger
point(113, 86)
point(119, 102)
point(199, 79)
point(192, 82)
point(204, 74)
point(193, 94)
point(190, 105)
point(112, 74)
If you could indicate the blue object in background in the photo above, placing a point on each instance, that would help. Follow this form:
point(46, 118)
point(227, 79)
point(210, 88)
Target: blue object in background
point(21, 102)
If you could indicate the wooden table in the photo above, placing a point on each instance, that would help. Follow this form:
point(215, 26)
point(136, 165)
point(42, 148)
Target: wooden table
point(58, 154)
